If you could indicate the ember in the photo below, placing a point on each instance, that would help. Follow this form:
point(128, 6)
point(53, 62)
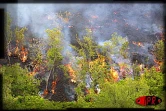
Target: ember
point(53, 87)
point(23, 54)
point(138, 44)
point(45, 92)
point(71, 73)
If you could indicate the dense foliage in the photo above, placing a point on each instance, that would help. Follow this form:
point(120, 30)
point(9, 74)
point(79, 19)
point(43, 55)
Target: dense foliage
point(22, 93)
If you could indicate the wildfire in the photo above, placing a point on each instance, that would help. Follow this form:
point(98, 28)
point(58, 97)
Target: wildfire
point(138, 44)
point(53, 87)
point(45, 92)
point(71, 73)
point(114, 74)
point(23, 54)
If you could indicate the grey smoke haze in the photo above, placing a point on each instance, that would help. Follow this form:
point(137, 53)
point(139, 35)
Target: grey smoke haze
point(141, 16)
point(135, 21)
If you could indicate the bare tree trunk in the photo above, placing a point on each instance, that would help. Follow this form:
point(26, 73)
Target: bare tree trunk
point(49, 77)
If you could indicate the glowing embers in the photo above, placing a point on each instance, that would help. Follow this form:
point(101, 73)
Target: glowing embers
point(139, 44)
point(23, 54)
point(45, 92)
point(54, 83)
point(71, 73)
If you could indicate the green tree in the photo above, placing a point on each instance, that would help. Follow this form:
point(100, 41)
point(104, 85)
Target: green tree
point(54, 55)
point(87, 47)
point(8, 31)
point(120, 95)
point(155, 81)
point(17, 82)
point(116, 45)
point(19, 34)
point(159, 50)
point(159, 54)
point(35, 50)
point(8, 34)
point(124, 49)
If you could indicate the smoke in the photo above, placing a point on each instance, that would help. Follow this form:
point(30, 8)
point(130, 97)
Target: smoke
point(137, 21)
point(104, 18)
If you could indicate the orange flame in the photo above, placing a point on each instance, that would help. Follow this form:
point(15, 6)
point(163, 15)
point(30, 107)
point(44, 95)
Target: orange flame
point(138, 44)
point(53, 87)
point(114, 74)
point(45, 92)
point(71, 72)
point(23, 54)
point(158, 65)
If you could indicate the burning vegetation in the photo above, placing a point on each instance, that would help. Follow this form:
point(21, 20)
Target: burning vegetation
point(95, 70)
point(71, 72)
point(138, 44)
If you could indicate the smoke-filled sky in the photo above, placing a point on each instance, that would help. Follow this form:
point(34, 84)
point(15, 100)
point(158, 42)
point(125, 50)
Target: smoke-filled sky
point(103, 19)
point(137, 21)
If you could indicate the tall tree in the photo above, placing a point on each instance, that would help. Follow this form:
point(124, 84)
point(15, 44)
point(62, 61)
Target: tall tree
point(8, 35)
point(54, 55)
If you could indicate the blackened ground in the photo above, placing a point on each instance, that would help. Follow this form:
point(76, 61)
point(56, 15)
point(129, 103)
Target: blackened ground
point(60, 92)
